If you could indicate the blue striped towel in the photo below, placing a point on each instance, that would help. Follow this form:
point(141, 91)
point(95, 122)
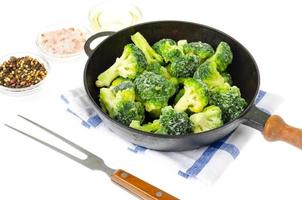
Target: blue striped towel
point(206, 164)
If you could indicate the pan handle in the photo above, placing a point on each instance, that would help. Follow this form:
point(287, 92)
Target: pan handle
point(87, 45)
point(273, 127)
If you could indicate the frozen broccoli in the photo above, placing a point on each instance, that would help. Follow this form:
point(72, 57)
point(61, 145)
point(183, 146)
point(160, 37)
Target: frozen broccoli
point(181, 43)
point(154, 91)
point(208, 119)
point(168, 49)
point(151, 127)
point(227, 78)
point(119, 102)
point(194, 98)
point(170, 123)
point(158, 69)
point(129, 65)
point(229, 100)
point(208, 74)
point(202, 50)
point(118, 81)
point(126, 111)
point(174, 123)
point(179, 95)
point(150, 54)
point(126, 84)
point(222, 57)
point(183, 66)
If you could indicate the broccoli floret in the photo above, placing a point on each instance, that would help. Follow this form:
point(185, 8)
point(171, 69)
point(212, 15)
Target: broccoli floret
point(174, 123)
point(129, 65)
point(202, 50)
point(151, 127)
point(208, 74)
point(126, 111)
point(223, 56)
point(194, 98)
point(109, 99)
point(154, 91)
point(227, 78)
point(158, 69)
point(118, 81)
point(126, 84)
point(168, 49)
point(120, 104)
point(208, 119)
point(229, 100)
point(169, 123)
point(184, 66)
point(181, 43)
point(143, 45)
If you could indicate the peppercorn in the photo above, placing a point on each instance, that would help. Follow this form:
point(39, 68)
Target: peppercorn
point(21, 72)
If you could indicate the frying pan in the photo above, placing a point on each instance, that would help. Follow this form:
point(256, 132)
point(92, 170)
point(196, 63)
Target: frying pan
point(243, 70)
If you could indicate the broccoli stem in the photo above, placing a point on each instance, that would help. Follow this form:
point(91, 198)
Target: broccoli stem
point(105, 78)
point(142, 44)
point(183, 104)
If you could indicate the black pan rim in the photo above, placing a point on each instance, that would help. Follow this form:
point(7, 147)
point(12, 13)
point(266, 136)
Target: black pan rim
point(239, 119)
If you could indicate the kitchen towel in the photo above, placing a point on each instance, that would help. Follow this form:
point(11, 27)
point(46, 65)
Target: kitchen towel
point(205, 164)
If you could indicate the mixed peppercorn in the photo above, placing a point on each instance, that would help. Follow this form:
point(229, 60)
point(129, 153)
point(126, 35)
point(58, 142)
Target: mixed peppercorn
point(21, 72)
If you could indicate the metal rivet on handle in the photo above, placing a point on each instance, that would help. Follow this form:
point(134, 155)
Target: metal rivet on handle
point(124, 174)
point(159, 194)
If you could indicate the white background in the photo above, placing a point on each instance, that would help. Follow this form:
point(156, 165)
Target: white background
point(271, 30)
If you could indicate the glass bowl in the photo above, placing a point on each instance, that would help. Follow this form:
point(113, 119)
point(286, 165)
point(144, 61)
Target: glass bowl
point(112, 16)
point(68, 56)
point(27, 90)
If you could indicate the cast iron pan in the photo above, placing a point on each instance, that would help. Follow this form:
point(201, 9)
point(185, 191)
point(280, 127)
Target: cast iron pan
point(243, 69)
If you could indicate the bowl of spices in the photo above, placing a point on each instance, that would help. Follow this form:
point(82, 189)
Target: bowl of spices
point(22, 73)
point(62, 42)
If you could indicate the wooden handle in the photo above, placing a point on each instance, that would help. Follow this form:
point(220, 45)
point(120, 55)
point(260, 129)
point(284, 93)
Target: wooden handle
point(139, 187)
point(276, 129)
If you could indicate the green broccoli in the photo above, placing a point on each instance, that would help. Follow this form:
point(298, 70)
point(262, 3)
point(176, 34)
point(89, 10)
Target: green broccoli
point(202, 50)
point(179, 95)
point(151, 127)
point(168, 49)
point(118, 81)
point(154, 91)
point(174, 123)
point(194, 98)
point(126, 111)
point(222, 57)
point(229, 100)
point(120, 103)
point(158, 69)
point(150, 54)
point(129, 65)
point(170, 123)
point(208, 119)
point(184, 66)
point(208, 74)
point(181, 43)
point(227, 78)
point(126, 84)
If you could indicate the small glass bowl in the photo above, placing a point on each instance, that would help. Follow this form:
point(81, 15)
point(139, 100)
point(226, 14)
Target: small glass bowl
point(58, 57)
point(27, 90)
point(112, 16)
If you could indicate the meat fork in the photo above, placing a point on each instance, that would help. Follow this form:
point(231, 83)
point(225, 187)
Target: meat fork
point(136, 186)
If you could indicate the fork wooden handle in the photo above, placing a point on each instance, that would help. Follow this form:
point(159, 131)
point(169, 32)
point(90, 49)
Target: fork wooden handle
point(139, 187)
